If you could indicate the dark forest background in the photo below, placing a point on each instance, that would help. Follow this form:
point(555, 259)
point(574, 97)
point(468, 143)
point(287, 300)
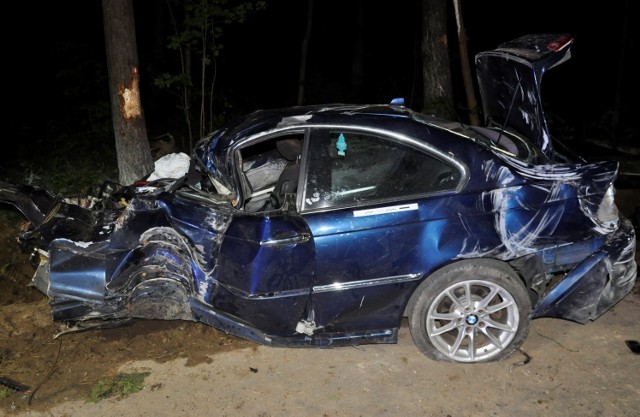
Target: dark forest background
point(57, 101)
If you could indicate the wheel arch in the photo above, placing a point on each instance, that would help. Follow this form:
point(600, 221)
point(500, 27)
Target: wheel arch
point(510, 268)
point(499, 331)
point(504, 266)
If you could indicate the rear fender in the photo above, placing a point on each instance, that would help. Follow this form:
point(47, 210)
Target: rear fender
point(594, 183)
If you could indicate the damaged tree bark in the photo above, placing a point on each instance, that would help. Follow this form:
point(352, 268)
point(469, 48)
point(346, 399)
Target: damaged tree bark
point(132, 143)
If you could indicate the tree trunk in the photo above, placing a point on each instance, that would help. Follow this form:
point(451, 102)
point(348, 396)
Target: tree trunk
point(472, 104)
point(132, 143)
point(436, 72)
point(303, 55)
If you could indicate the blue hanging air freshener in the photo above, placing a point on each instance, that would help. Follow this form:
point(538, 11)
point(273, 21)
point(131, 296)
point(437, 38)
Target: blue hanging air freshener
point(341, 145)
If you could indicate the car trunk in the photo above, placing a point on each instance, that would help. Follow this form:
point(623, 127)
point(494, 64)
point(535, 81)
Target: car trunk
point(509, 79)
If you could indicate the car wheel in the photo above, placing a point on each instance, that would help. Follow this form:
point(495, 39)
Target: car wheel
point(470, 311)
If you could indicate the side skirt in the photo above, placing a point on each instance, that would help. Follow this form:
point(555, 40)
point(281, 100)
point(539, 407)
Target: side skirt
point(231, 325)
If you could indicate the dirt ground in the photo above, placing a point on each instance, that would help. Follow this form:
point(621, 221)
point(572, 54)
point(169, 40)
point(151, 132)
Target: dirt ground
point(195, 370)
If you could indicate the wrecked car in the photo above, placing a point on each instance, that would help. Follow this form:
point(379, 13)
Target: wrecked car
point(326, 225)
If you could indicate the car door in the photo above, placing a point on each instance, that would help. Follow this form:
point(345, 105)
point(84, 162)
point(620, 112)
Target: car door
point(264, 269)
point(265, 264)
point(373, 204)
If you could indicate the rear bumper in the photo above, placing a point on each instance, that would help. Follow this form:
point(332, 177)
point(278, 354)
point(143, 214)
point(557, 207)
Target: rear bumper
point(597, 283)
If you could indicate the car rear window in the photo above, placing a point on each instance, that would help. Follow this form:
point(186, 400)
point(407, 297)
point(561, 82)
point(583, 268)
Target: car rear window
point(505, 142)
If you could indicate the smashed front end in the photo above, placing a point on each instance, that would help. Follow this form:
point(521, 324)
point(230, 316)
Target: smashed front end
point(104, 265)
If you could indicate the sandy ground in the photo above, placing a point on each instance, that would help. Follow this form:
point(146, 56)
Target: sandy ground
point(579, 370)
point(194, 370)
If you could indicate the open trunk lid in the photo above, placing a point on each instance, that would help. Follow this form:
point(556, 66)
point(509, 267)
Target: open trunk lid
point(509, 78)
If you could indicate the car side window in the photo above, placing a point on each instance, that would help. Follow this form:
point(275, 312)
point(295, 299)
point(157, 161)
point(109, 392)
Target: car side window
point(270, 169)
point(351, 168)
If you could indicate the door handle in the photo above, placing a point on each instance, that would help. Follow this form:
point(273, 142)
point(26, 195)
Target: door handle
point(292, 240)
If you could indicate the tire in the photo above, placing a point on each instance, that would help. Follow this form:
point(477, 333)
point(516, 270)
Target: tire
point(447, 324)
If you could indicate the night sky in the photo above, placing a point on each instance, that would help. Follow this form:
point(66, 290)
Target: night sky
point(58, 59)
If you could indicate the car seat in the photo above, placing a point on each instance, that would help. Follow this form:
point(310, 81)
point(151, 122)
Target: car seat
point(287, 183)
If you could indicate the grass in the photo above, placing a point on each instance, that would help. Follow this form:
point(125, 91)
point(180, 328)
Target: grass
point(121, 385)
point(5, 392)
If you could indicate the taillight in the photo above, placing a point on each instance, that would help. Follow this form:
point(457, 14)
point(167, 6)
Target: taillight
point(560, 42)
point(608, 211)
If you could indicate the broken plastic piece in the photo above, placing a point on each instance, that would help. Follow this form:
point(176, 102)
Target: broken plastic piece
point(11, 384)
point(306, 327)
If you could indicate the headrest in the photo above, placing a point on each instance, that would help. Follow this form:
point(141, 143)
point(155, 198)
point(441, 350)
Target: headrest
point(290, 149)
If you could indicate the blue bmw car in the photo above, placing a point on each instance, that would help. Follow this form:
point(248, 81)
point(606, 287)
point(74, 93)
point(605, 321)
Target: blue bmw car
point(326, 225)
